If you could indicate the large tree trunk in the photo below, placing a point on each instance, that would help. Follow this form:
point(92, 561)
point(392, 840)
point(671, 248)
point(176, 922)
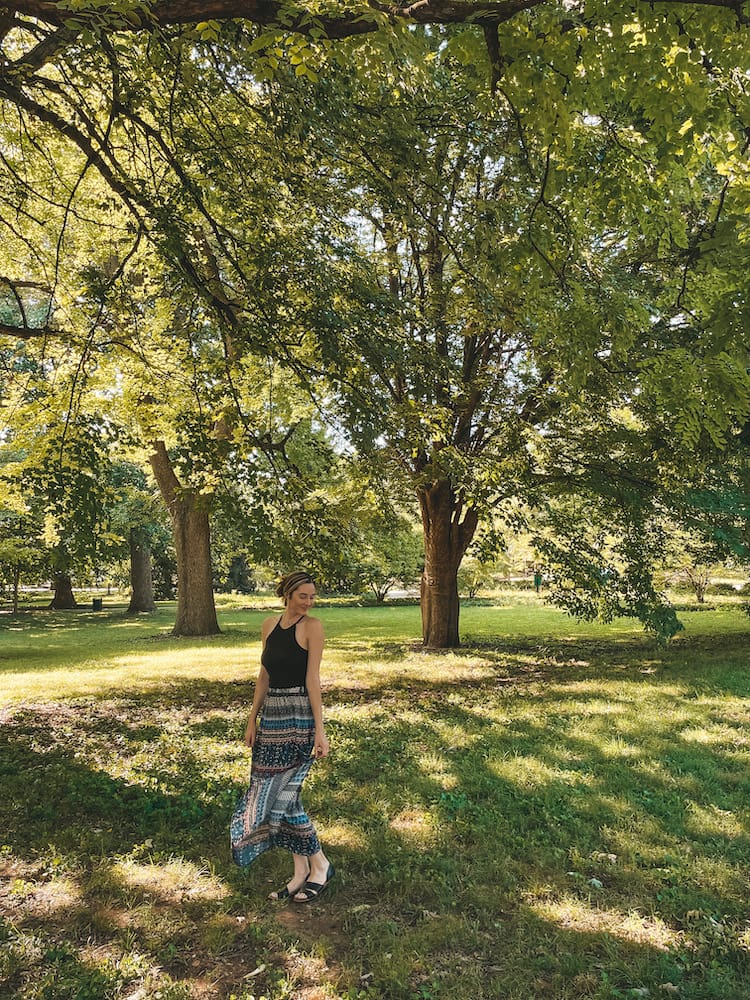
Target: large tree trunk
point(196, 611)
point(142, 587)
point(63, 587)
point(446, 537)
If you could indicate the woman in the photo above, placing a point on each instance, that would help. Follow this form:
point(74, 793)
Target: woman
point(289, 737)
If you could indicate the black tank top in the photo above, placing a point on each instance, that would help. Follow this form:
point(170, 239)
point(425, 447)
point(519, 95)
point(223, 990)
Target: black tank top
point(284, 658)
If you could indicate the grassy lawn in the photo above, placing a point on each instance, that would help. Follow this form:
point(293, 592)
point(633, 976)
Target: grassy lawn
point(556, 811)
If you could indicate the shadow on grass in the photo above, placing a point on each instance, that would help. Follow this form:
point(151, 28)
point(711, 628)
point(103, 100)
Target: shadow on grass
point(48, 797)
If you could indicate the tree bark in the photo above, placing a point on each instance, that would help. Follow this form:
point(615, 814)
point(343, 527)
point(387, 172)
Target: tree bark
point(446, 537)
point(16, 586)
point(196, 611)
point(64, 598)
point(142, 587)
point(479, 12)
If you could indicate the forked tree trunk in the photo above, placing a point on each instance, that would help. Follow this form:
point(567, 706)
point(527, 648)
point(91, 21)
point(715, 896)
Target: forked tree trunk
point(447, 535)
point(64, 598)
point(196, 611)
point(699, 580)
point(141, 582)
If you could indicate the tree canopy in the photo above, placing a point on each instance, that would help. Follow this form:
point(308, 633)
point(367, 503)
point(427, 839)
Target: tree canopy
point(511, 292)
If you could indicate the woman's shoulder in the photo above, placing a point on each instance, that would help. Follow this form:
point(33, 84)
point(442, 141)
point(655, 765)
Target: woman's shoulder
point(312, 624)
point(268, 624)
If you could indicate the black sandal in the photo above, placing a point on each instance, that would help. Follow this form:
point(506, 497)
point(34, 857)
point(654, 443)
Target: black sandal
point(280, 894)
point(312, 890)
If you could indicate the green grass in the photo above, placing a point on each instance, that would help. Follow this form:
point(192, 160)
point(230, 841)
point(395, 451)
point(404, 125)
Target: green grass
point(556, 810)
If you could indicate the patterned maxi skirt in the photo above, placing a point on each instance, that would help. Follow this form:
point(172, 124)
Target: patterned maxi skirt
point(270, 813)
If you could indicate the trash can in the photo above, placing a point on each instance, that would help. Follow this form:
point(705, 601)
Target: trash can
point(96, 604)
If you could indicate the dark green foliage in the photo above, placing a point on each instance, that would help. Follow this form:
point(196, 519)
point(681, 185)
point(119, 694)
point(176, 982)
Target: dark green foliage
point(602, 565)
point(240, 577)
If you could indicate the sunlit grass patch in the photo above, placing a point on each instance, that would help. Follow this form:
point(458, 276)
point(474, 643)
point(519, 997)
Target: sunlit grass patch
point(348, 837)
point(174, 880)
point(145, 670)
point(42, 898)
point(531, 772)
point(717, 734)
point(710, 821)
point(416, 827)
point(728, 880)
point(573, 914)
point(437, 768)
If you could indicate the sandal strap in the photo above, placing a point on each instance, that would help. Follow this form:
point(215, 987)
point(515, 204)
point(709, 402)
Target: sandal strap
point(286, 893)
point(311, 889)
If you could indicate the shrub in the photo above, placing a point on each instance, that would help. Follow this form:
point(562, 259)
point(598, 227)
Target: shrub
point(723, 589)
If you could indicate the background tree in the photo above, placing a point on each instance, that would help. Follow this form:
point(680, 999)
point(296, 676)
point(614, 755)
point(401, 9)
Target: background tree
point(183, 297)
point(712, 517)
point(20, 555)
point(393, 556)
point(690, 559)
point(63, 477)
point(521, 265)
point(473, 576)
point(135, 518)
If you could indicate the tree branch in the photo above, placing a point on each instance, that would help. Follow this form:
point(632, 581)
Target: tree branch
point(28, 332)
point(349, 23)
point(14, 283)
point(46, 50)
point(492, 42)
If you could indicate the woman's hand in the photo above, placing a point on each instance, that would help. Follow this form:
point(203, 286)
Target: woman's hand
point(321, 747)
point(250, 732)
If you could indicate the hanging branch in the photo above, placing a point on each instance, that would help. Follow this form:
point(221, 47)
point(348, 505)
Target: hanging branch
point(492, 40)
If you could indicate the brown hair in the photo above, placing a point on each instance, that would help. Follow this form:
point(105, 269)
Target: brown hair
point(289, 583)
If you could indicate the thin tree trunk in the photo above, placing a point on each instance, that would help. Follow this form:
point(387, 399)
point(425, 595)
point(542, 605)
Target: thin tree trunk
point(196, 611)
point(142, 588)
point(16, 585)
point(446, 537)
point(64, 598)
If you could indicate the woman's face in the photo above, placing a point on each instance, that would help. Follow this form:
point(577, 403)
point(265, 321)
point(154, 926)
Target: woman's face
point(302, 599)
